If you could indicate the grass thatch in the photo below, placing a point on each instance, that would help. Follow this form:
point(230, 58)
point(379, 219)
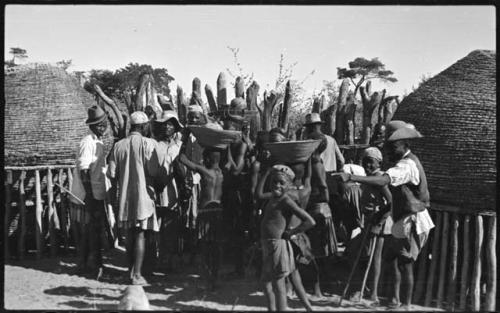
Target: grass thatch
point(45, 113)
point(456, 112)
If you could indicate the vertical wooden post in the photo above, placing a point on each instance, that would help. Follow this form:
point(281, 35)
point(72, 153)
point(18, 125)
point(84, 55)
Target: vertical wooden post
point(8, 204)
point(491, 264)
point(442, 264)
point(64, 210)
point(71, 226)
point(432, 269)
point(464, 272)
point(21, 243)
point(51, 211)
point(421, 271)
point(38, 216)
point(452, 270)
point(476, 270)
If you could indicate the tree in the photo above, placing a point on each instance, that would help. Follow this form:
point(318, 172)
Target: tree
point(240, 72)
point(64, 64)
point(364, 70)
point(17, 53)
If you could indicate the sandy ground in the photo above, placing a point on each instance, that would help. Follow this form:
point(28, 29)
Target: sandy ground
point(49, 284)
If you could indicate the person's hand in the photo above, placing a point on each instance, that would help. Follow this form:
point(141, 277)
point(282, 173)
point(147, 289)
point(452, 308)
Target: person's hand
point(286, 235)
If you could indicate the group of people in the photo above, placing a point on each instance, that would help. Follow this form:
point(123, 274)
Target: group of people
point(175, 197)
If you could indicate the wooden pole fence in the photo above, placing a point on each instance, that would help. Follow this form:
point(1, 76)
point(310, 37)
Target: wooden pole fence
point(8, 199)
point(434, 255)
point(491, 264)
point(21, 242)
point(464, 273)
point(452, 270)
point(38, 216)
point(476, 270)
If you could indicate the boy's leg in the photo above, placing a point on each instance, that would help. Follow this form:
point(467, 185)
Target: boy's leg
point(317, 286)
point(129, 248)
point(280, 294)
point(406, 267)
point(397, 281)
point(377, 267)
point(271, 299)
point(299, 288)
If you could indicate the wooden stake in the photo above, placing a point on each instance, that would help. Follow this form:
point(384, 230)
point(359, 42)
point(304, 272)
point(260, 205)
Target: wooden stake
point(443, 260)
point(8, 200)
point(432, 270)
point(38, 216)
point(422, 270)
point(491, 264)
point(452, 271)
point(21, 248)
point(51, 211)
point(464, 272)
point(476, 270)
point(64, 210)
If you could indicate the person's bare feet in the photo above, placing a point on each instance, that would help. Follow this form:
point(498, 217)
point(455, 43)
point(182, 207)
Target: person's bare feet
point(138, 279)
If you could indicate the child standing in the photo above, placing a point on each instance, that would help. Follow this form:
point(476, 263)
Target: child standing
point(277, 254)
point(209, 220)
point(376, 203)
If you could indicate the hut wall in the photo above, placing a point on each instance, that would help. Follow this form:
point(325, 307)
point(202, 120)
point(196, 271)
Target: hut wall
point(456, 113)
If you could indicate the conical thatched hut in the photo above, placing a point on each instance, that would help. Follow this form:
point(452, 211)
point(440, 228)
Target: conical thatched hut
point(45, 113)
point(456, 112)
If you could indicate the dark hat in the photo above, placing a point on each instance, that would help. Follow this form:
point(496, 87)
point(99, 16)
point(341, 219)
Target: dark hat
point(95, 115)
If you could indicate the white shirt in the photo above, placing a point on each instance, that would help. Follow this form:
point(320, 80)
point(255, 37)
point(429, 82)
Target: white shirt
point(329, 156)
point(406, 172)
point(167, 152)
point(90, 156)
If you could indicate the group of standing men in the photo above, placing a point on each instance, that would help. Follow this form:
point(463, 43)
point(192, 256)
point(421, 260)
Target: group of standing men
point(175, 194)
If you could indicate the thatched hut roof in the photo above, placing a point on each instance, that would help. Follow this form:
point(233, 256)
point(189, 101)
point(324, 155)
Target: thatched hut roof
point(45, 113)
point(456, 112)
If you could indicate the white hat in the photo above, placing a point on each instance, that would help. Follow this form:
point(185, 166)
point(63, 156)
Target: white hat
point(313, 118)
point(373, 152)
point(138, 117)
point(194, 108)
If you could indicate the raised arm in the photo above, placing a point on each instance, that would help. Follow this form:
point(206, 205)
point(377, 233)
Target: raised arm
point(239, 160)
point(254, 179)
point(260, 187)
point(307, 220)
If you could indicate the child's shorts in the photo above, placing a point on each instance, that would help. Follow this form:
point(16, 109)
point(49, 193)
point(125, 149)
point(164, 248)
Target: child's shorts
point(277, 259)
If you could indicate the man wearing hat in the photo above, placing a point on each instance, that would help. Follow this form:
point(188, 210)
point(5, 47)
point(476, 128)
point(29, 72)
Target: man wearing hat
point(89, 185)
point(134, 165)
point(412, 222)
point(166, 129)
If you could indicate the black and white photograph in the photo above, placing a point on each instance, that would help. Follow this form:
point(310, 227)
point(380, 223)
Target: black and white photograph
point(249, 157)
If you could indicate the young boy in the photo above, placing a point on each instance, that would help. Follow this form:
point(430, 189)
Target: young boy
point(277, 254)
point(210, 214)
point(376, 204)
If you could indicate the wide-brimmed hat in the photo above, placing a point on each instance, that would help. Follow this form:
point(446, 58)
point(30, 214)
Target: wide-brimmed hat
point(169, 115)
point(138, 117)
point(398, 130)
point(95, 115)
point(313, 118)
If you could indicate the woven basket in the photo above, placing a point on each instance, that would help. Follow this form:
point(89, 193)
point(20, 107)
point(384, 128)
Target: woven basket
point(215, 138)
point(45, 113)
point(292, 151)
point(456, 112)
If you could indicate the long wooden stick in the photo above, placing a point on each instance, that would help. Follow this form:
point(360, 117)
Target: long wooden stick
point(491, 264)
point(64, 211)
point(38, 216)
point(452, 270)
point(443, 260)
point(51, 211)
point(464, 272)
point(8, 199)
point(373, 243)
point(476, 270)
point(21, 243)
point(435, 257)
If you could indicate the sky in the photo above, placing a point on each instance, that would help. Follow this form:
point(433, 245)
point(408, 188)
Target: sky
point(193, 40)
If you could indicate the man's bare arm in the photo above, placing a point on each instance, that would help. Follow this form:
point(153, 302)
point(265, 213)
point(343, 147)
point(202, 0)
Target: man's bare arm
point(191, 165)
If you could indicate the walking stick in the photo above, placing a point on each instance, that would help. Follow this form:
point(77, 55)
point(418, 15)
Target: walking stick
point(356, 261)
point(373, 243)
